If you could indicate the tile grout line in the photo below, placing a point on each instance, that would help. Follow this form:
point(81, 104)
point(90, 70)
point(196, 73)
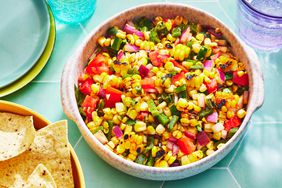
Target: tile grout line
point(78, 141)
point(234, 178)
point(161, 186)
point(237, 150)
point(267, 122)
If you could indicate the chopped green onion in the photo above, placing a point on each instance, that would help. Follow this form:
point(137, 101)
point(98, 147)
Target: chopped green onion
point(180, 89)
point(174, 110)
point(162, 118)
point(176, 32)
point(172, 122)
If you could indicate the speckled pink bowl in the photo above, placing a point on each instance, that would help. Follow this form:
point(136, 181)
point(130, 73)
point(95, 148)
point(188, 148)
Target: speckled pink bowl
point(78, 61)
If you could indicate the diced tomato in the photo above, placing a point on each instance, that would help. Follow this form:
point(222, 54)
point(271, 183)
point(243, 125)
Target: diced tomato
point(178, 77)
point(89, 105)
point(141, 116)
point(148, 83)
point(157, 59)
point(112, 100)
point(232, 123)
point(240, 80)
point(212, 86)
point(97, 65)
point(85, 85)
point(175, 63)
point(114, 97)
point(186, 145)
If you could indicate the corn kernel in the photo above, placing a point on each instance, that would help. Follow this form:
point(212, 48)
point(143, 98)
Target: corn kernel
point(132, 113)
point(230, 114)
point(128, 129)
point(240, 73)
point(101, 41)
point(151, 130)
point(107, 42)
point(185, 160)
point(155, 149)
point(171, 160)
point(193, 122)
point(209, 152)
point(217, 135)
point(123, 126)
point(241, 113)
point(210, 145)
point(169, 66)
point(197, 108)
point(177, 134)
point(111, 144)
point(161, 163)
point(223, 109)
point(132, 156)
point(203, 88)
point(120, 149)
point(184, 121)
point(121, 34)
point(182, 103)
point(160, 129)
point(140, 126)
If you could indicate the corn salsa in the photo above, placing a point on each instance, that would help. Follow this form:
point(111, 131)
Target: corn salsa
point(163, 92)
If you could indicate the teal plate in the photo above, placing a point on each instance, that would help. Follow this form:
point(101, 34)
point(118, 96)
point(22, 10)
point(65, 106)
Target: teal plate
point(24, 32)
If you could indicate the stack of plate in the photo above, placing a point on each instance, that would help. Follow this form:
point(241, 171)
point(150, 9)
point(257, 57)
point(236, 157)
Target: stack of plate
point(27, 36)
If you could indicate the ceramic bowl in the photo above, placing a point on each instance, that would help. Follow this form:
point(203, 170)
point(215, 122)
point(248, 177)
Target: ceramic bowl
point(40, 122)
point(78, 61)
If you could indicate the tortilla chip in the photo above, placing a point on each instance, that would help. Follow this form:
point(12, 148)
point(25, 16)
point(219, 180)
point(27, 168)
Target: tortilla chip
point(40, 177)
point(50, 147)
point(16, 134)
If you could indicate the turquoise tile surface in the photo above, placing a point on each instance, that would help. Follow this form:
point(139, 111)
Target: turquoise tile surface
point(254, 162)
point(258, 161)
point(212, 178)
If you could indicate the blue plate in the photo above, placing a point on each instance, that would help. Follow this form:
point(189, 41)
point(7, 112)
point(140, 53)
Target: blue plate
point(24, 32)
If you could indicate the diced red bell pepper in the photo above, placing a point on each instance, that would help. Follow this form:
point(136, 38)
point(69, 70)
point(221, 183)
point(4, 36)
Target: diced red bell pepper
point(115, 96)
point(143, 71)
point(85, 85)
point(89, 105)
point(240, 80)
point(232, 123)
point(178, 77)
point(190, 135)
point(212, 86)
point(175, 63)
point(97, 65)
point(186, 145)
point(202, 138)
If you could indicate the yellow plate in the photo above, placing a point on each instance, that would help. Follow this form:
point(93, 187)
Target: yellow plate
point(37, 67)
point(39, 122)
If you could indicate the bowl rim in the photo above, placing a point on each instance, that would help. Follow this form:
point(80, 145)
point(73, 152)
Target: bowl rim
point(252, 105)
point(27, 111)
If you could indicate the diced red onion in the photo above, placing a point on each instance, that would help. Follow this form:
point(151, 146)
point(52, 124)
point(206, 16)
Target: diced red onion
point(177, 41)
point(131, 48)
point(132, 30)
point(217, 35)
point(201, 100)
point(202, 138)
point(143, 71)
point(208, 64)
point(175, 149)
point(169, 145)
point(215, 56)
point(102, 93)
point(186, 35)
point(120, 55)
point(172, 139)
point(117, 131)
point(149, 66)
point(221, 75)
point(212, 117)
point(190, 135)
point(175, 164)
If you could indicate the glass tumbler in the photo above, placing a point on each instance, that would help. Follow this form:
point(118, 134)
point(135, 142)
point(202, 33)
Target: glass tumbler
point(260, 23)
point(72, 11)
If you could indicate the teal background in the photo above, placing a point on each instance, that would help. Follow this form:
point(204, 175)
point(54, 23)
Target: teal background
point(255, 162)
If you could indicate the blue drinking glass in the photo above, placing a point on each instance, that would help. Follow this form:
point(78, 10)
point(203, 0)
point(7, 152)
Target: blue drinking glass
point(72, 11)
point(260, 23)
